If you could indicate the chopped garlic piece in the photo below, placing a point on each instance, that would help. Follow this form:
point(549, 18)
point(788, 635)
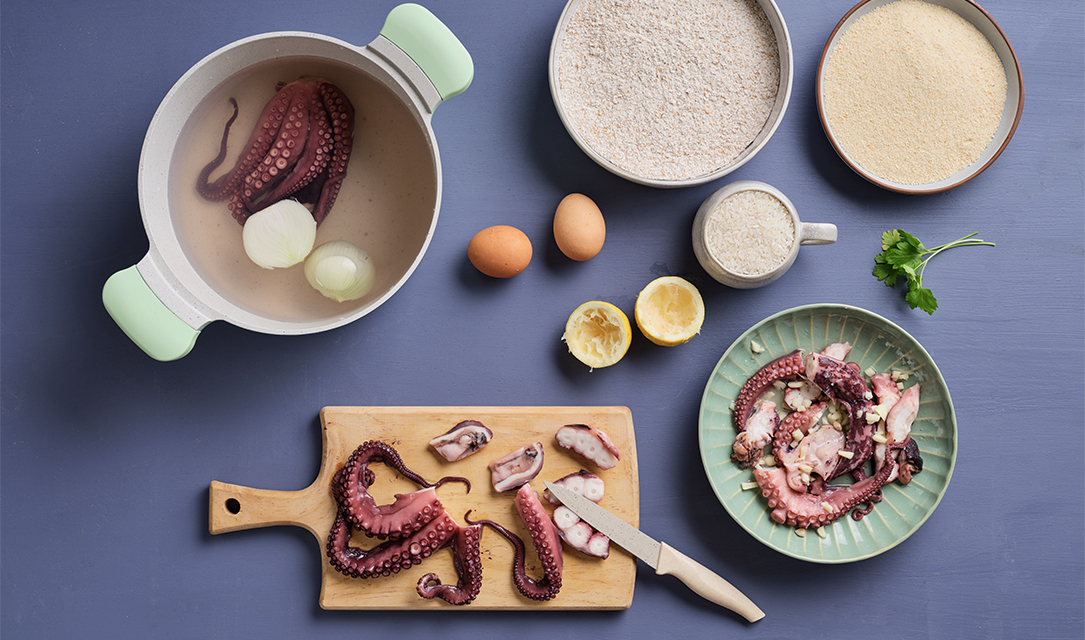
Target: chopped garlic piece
point(871, 371)
point(845, 454)
point(779, 385)
point(872, 417)
point(821, 532)
point(805, 468)
point(827, 507)
point(796, 435)
point(795, 384)
point(755, 347)
point(879, 438)
point(746, 486)
point(800, 532)
point(768, 461)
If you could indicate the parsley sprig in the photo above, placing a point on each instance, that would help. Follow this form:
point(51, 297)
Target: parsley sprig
point(904, 256)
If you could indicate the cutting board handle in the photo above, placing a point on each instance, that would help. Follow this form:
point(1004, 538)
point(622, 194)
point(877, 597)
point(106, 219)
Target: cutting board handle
point(233, 508)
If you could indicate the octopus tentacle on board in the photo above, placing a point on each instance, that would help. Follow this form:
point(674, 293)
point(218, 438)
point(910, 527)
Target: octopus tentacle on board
point(299, 149)
point(409, 512)
point(547, 543)
point(467, 560)
point(415, 525)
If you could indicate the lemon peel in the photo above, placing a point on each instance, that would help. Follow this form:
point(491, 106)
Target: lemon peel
point(598, 334)
point(669, 311)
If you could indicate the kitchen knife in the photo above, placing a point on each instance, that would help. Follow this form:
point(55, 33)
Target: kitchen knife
point(659, 555)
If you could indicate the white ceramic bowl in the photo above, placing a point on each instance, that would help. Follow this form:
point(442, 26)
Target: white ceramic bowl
point(776, 114)
point(805, 233)
point(1011, 113)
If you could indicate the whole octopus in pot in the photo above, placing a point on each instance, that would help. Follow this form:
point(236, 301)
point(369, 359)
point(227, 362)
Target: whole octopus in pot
point(805, 455)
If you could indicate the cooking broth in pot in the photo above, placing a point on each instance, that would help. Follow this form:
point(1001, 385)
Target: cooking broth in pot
point(385, 207)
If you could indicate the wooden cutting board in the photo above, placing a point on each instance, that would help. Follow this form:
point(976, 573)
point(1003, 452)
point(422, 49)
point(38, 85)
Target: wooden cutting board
point(587, 583)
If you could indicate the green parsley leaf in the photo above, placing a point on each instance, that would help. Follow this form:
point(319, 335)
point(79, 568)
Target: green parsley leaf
point(904, 257)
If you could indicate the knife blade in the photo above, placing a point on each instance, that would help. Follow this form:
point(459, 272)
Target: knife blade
point(659, 555)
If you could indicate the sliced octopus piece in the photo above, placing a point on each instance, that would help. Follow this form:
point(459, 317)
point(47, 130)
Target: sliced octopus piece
point(580, 535)
point(517, 468)
point(466, 438)
point(581, 482)
point(844, 382)
point(750, 443)
point(589, 442)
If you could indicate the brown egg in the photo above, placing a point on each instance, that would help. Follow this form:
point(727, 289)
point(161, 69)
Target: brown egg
point(579, 228)
point(500, 251)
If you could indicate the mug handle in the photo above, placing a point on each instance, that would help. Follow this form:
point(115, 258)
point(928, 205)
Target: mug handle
point(817, 233)
point(432, 46)
point(145, 318)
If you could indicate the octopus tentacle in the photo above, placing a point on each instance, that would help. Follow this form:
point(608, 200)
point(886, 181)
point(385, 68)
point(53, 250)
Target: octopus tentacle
point(391, 556)
point(299, 148)
point(341, 113)
point(467, 560)
point(218, 190)
point(408, 514)
point(805, 510)
point(783, 368)
point(547, 543)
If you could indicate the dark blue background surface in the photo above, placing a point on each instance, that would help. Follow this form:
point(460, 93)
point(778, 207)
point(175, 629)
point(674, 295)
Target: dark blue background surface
point(107, 455)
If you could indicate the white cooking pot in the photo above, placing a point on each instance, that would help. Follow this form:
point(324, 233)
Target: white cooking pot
point(196, 270)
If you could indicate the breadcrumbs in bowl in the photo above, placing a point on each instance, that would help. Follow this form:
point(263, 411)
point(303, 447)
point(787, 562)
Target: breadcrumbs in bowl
point(917, 96)
point(671, 94)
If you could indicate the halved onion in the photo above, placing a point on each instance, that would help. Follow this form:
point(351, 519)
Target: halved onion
point(340, 271)
point(279, 236)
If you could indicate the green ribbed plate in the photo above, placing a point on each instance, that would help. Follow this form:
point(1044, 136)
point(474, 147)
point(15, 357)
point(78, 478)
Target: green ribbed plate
point(876, 342)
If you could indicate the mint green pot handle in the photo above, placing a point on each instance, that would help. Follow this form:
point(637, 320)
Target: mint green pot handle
point(432, 46)
point(144, 318)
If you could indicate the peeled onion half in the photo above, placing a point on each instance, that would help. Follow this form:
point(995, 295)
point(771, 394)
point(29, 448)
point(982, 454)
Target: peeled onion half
point(340, 271)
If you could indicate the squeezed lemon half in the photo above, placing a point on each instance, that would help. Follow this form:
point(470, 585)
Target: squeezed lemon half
point(669, 311)
point(598, 334)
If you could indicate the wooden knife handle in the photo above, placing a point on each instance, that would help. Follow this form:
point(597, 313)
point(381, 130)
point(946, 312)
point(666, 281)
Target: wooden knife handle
point(705, 583)
point(232, 508)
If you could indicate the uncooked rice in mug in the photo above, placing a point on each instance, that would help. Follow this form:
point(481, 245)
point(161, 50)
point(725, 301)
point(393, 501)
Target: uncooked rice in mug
point(913, 92)
point(750, 232)
point(668, 90)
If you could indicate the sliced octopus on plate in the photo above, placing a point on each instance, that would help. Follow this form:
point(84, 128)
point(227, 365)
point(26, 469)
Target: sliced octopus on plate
point(808, 450)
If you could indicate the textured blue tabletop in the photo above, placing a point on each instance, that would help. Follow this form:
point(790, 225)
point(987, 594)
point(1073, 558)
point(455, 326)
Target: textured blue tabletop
point(107, 454)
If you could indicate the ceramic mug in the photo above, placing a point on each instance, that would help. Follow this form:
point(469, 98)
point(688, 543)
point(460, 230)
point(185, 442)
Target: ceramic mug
point(388, 204)
point(805, 233)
